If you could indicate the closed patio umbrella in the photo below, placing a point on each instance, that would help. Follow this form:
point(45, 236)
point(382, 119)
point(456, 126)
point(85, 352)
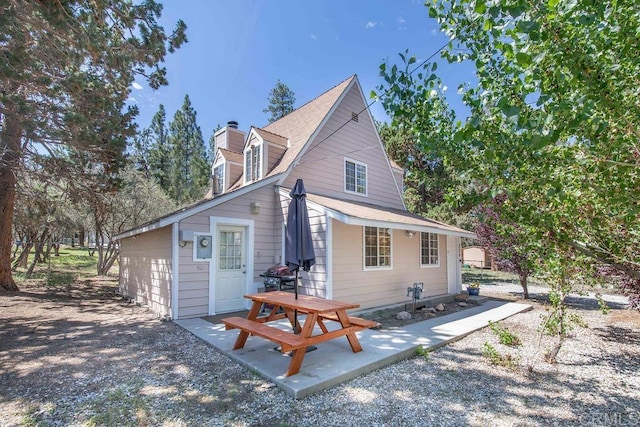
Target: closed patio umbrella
point(299, 251)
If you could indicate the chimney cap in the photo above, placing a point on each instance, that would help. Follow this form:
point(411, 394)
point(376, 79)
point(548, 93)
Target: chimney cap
point(232, 124)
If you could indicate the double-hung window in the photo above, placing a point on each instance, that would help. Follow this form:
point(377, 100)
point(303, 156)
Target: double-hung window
point(429, 255)
point(377, 247)
point(355, 177)
point(252, 163)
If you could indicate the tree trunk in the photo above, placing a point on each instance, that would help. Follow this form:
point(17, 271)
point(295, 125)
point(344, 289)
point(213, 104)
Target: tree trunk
point(23, 258)
point(10, 139)
point(109, 260)
point(15, 251)
point(525, 286)
point(38, 254)
point(81, 238)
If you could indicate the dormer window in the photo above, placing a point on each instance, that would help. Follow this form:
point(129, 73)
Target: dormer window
point(218, 179)
point(253, 163)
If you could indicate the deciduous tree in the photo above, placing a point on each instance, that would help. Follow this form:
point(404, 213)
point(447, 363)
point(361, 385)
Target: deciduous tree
point(554, 119)
point(414, 140)
point(509, 244)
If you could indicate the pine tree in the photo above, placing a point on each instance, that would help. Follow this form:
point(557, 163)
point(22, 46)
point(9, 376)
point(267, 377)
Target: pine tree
point(66, 74)
point(281, 100)
point(189, 173)
point(212, 145)
point(141, 149)
point(160, 151)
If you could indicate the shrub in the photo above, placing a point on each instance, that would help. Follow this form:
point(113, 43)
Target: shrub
point(505, 336)
point(498, 359)
point(424, 352)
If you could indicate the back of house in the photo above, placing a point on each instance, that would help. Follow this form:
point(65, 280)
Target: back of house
point(204, 258)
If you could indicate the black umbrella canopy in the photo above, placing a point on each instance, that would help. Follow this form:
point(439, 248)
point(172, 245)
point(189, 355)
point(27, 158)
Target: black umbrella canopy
point(299, 251)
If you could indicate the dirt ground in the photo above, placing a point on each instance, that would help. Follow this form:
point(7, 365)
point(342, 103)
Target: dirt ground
point(388, 317)
point(82, 355)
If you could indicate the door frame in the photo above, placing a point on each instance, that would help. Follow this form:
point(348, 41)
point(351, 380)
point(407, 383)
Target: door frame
point(454, 264)
point(215, 223)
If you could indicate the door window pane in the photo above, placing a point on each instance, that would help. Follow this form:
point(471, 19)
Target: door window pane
point(230, 251)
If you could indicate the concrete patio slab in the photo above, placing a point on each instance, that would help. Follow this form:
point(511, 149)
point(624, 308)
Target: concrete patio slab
point(333, 362)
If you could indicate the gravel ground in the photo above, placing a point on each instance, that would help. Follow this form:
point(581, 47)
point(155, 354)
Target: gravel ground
point(82, 356)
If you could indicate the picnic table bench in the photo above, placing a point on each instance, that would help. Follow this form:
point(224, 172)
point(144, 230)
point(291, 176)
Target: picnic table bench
point(286, 340)
point(317, 311)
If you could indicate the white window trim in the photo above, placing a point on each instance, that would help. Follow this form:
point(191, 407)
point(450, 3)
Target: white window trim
point(366, 177)
point(260, 172)
point(224, 167)
point(420, 255)
point(364, 252)
point(244, 165)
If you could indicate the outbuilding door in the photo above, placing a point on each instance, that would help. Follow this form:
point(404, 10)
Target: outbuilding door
point(231, 269)
point(454, 262)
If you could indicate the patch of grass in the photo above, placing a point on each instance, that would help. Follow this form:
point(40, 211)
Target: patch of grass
point(122, 406)
point(31, 417)
point(60, 278)
point(505, 336)
point(36, 415)
point(489, 277)
point(75, 259)
point(496, 358)
point(62, 270)
point(423, 352)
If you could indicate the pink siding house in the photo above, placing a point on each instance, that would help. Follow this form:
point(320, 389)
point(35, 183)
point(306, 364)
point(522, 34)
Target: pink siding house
point(202, 259)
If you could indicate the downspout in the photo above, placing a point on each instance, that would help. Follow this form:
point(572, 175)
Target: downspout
point(175, 262)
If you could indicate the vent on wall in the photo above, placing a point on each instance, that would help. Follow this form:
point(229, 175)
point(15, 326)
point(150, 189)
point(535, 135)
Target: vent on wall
point(354, 117)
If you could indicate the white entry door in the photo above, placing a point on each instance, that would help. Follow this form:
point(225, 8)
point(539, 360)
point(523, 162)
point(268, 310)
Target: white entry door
point(231, 272)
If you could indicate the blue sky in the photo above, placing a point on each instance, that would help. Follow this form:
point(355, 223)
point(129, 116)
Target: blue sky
point(238, 50)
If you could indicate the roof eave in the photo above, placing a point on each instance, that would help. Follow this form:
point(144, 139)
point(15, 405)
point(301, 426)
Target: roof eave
point(354, 220)
point(180, 215)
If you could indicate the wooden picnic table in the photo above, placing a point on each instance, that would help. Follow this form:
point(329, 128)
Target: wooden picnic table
point(285, 305)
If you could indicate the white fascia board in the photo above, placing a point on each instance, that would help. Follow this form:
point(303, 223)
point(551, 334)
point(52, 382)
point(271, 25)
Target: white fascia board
point(143, 229)
point(217, 201)
point(402, 226)
point(178, 216)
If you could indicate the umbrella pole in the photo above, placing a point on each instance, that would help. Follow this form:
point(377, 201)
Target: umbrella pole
point(295, 312)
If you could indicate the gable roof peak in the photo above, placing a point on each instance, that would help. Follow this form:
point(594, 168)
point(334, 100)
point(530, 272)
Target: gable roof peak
point(270, 136)
point(301, 124)
point(344, 82)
